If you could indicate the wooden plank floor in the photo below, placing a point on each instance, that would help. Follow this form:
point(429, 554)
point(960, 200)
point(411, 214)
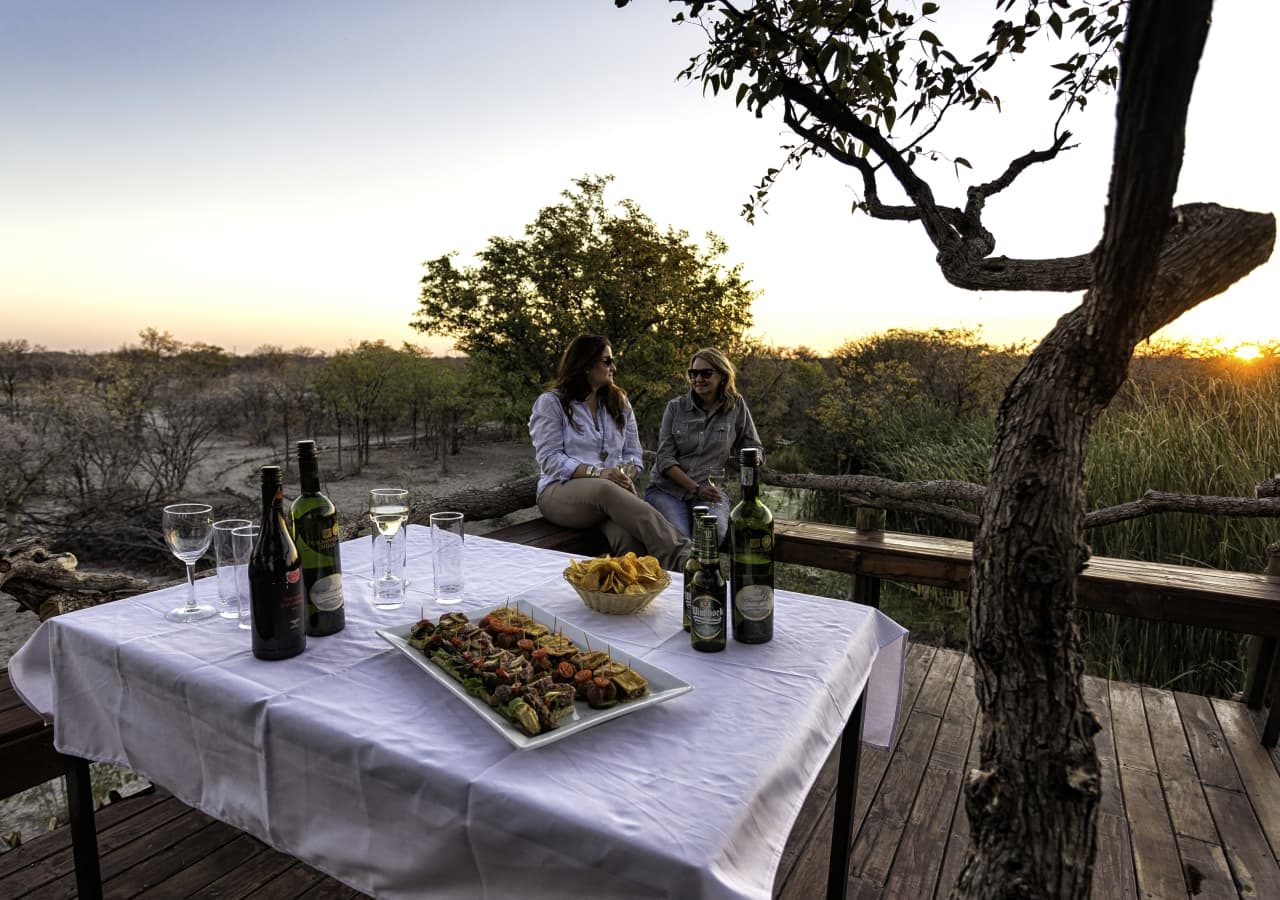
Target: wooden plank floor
point(1190, 801)
point(1190, 808)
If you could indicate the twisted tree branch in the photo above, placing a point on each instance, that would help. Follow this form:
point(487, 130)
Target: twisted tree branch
point(934, 498)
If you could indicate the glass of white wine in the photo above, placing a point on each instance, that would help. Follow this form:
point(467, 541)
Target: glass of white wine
point(629, 469)
point(389, 511)
point(715, 478)
point(188, 529)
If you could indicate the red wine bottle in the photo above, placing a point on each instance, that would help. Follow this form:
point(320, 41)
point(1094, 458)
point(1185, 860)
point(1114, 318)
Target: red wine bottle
point(276, 600)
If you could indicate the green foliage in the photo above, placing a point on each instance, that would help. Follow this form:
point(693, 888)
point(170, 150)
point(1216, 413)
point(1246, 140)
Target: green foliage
point(586, 266)
point(872, 80)
point(781, 387)
point(900, 389)
point(1192, 423)
point(360, 385)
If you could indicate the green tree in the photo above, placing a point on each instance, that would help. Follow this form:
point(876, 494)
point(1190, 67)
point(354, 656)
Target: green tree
point(286, 378)
point(585, 266)
point(29, 450)
point(867, 83)
point(361, 386)
point(16, 364)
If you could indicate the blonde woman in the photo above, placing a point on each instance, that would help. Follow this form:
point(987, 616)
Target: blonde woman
point(700, 430)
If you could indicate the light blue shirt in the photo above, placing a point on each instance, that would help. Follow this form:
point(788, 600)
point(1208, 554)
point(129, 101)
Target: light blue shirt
point(597, 441)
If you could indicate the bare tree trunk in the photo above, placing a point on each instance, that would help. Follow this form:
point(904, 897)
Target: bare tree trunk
point(1032, 804)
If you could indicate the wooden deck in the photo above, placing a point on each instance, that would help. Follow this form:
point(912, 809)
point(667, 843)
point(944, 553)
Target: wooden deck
point(1190, 799)
point(1190, 807)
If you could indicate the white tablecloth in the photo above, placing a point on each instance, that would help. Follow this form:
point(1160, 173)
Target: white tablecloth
point(351, 758)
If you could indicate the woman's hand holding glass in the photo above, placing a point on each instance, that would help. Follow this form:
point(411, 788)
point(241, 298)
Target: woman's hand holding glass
point(618, 475)
point(710, 493)
point(713, 488)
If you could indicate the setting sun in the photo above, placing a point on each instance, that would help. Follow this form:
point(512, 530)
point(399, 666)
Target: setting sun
point(1247, 352)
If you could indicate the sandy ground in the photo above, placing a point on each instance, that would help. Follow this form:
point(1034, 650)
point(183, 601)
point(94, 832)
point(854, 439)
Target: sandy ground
point(234, 467)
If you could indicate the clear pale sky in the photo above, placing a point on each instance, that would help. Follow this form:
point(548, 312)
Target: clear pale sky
point(243, 173)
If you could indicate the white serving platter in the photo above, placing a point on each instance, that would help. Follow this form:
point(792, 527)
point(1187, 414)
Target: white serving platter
point(662, 684)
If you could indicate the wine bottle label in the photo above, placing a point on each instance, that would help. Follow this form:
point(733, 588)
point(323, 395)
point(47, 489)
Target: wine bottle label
point(754, 602)
point(707, 615)
point(760, 543)
point(748, 476)
point(326, 540)
point(293, 575)
point(326, 593)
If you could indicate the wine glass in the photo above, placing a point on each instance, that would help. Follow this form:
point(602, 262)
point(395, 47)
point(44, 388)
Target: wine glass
point(629, 469)
point(389, 510)
point(188, 529)
point(715, 478)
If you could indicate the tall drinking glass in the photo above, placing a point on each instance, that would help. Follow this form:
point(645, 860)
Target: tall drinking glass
point(446, 556)
point(389, 510)
point(188, 529)
point(224, 556)
point(242, 541)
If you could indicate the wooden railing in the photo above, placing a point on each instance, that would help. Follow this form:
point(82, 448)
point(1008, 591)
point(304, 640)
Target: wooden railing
point(1240, 602)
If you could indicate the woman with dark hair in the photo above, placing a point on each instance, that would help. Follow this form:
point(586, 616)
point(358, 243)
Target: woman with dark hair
point(585, 439)
point(700, 430)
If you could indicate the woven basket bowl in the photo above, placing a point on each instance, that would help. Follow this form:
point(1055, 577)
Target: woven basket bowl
point(619, 604)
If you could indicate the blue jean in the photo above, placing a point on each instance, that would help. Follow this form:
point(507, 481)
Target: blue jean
point(680, 512)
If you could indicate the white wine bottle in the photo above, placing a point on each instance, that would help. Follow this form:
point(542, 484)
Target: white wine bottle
point(751, 569)
point(315, 531)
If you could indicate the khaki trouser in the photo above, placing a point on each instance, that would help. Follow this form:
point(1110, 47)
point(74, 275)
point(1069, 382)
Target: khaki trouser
point(628, 523)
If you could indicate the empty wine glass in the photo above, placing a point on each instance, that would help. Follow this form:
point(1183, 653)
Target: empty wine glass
point(188, 529)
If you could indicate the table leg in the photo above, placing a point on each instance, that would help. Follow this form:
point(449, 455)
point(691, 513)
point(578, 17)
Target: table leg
point(84, 836)
point(846, 793)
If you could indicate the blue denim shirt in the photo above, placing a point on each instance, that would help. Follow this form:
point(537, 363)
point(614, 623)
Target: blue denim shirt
point(559, 448)
point(695, 440)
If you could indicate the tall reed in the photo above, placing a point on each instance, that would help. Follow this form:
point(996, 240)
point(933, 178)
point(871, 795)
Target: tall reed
point(1216, 435)
point(1196, 427)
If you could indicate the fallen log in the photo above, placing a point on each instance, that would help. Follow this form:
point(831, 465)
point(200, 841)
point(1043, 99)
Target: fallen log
point(475, 504)
point(49, 583)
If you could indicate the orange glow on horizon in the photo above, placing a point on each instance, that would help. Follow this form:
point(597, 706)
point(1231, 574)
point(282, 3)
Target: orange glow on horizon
point(1247, 352)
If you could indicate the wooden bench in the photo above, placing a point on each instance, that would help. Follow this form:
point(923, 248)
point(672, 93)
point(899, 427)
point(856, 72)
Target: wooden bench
point(28, 759)
point(541, 533)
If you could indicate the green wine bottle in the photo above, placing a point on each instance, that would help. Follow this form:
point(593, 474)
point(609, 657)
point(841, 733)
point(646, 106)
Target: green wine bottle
point(707, 606)
point(751, 571)
point(314, 521)
point(691, 564)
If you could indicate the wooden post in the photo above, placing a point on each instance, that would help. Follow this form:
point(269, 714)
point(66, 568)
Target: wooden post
point(1262, 651)
point(1265, 676)
point(865, 588)
point(842, 830)
point(84, 838)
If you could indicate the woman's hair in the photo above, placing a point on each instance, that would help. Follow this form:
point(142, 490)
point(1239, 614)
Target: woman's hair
point(571, 384)
point(728, 392)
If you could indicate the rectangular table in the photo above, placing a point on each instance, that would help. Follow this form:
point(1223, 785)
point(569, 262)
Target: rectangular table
point(350, 758)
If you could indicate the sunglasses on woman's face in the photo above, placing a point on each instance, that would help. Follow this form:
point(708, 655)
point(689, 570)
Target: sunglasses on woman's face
point(609, 362)
point(701, 373)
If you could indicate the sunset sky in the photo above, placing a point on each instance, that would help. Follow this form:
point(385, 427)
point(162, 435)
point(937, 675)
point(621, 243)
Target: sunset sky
point(244, 173)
